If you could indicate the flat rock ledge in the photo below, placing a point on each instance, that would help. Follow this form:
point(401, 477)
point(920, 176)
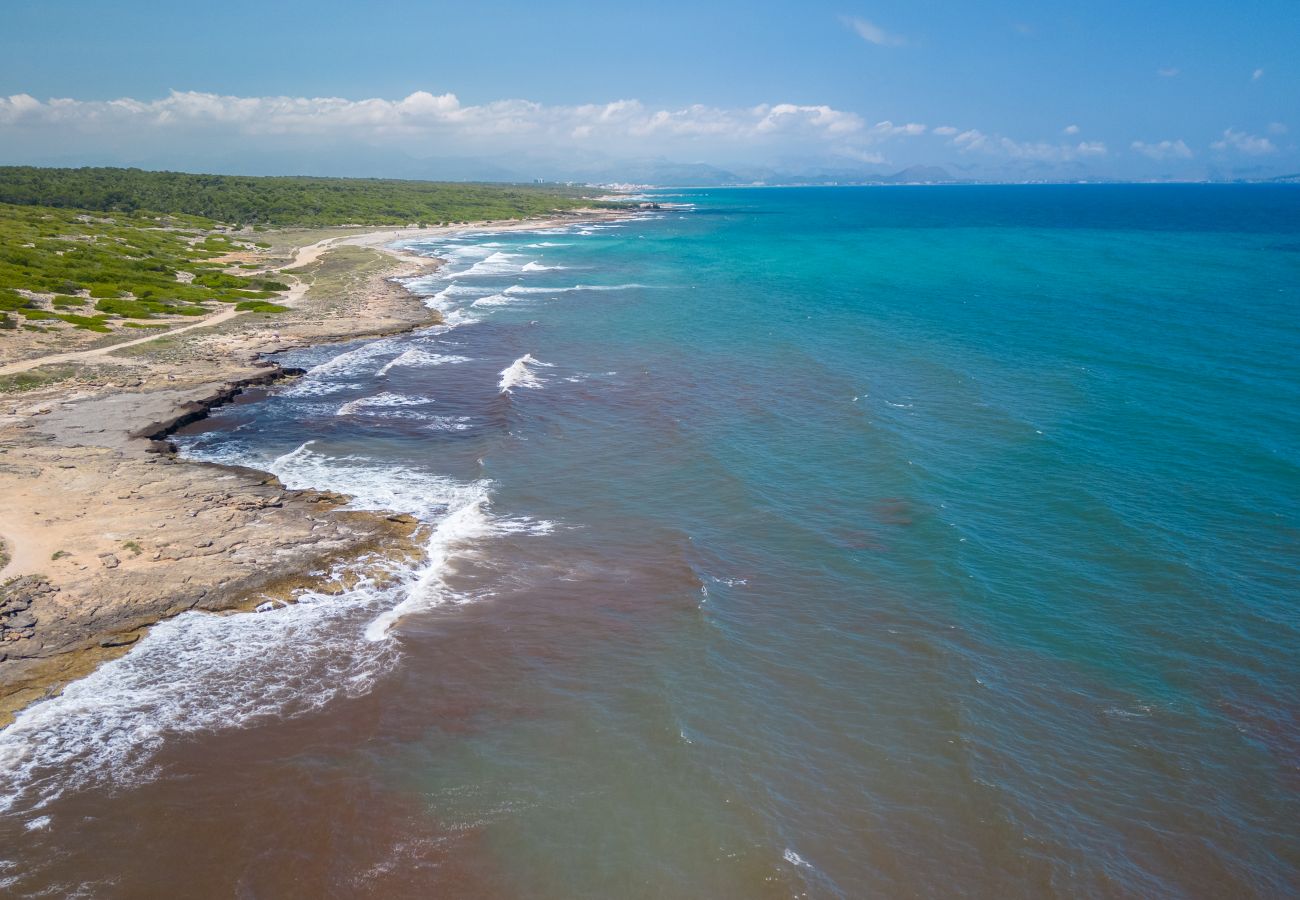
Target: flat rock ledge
point(114, 533)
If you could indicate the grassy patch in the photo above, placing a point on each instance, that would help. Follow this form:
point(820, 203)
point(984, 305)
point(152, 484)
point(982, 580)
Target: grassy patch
point(39, 377)
point(88, 323)
point(260, 306)
point(133, 266)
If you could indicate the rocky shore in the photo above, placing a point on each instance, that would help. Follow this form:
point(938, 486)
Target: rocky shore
point(104, 531)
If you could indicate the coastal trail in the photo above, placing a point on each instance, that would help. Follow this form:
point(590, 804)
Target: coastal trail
point(301, 257)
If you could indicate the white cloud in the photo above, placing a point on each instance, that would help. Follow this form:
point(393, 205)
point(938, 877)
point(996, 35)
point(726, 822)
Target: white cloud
point(863, 156)
point(889, 129)
point(1168, 72)
point(427, 120)
point(1257, 75)
point(872, 33)
point(1070, 129)
point(1163, 150)
point(1276, 128)
point(1034, 151)
point(944, 130)
point(1249, 144)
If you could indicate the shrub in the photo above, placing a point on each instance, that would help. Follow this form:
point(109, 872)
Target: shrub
point(260, 306)
point(89, 323)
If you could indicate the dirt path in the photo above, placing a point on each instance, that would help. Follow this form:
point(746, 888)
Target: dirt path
point(378, 239)
point(301, 257)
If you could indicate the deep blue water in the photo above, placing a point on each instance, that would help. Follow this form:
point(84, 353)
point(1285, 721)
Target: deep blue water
point(801, 542)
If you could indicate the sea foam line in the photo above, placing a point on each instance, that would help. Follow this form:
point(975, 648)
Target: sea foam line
point(417, 357)
point(201, 671)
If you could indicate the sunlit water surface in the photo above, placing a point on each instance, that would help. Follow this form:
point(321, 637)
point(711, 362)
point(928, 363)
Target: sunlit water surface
point(829, 543)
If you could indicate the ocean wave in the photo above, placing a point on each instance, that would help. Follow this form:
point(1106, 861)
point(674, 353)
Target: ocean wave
point(499, 263)
point(523, 289)
point(449, 302)
point(352, 361)
point(311, 387)
point(384, 400)
point(450, 423)
point(196, 672)
point(458, 509)
point(520, 374)
point(504, 298)
point(536, 266)
point(372, 486)
point(421, 358)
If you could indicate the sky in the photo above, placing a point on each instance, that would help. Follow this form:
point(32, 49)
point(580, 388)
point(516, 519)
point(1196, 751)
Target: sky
point(634, 91)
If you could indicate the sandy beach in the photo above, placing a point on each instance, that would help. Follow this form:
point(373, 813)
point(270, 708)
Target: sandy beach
point(106, 532)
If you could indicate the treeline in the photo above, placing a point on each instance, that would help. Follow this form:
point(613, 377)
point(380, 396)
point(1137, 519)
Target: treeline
point(244, 200)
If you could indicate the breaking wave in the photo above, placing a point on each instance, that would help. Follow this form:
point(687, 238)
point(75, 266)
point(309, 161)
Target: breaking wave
point(520, 374)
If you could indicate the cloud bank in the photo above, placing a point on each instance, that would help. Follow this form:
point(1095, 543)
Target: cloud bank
point(424, 114)
point(522, 138)
point(1163, 150)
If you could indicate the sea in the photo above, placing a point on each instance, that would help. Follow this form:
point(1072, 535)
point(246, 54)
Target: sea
point(914, 541)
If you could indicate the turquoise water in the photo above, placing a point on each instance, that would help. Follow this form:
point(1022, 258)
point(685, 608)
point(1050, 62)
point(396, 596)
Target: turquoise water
point(809, 542)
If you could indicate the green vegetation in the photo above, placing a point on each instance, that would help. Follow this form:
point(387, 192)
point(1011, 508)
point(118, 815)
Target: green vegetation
point(134, 547)
point(89, 248)
point(83, 269)
point(59, 554)
point(260, 306)
point(39, 377)
point(279, 201)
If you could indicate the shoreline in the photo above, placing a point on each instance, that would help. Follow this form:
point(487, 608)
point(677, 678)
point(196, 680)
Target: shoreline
point(82, 452)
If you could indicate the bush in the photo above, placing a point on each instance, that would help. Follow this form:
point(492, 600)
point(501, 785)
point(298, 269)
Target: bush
point(260, 306)
point(89, 323)
point(127, 309)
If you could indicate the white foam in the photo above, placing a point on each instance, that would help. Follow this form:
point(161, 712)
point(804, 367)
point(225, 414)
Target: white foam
point(202, 672)
point(795, 859)
point(421, 358)
point(311, 387)
point(519, 374)
point(502, 299)
point(195, 672)
point(459, 527)
point(376, 487)
point(449, 301)
point(383, 400)
point(535, 266)
point(450, 423)
point(458, 508)
point(352, 361)
point(499, 263)
point(522, 289)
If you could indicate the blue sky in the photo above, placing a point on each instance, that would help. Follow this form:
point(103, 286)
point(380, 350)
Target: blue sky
point(1010, 89)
